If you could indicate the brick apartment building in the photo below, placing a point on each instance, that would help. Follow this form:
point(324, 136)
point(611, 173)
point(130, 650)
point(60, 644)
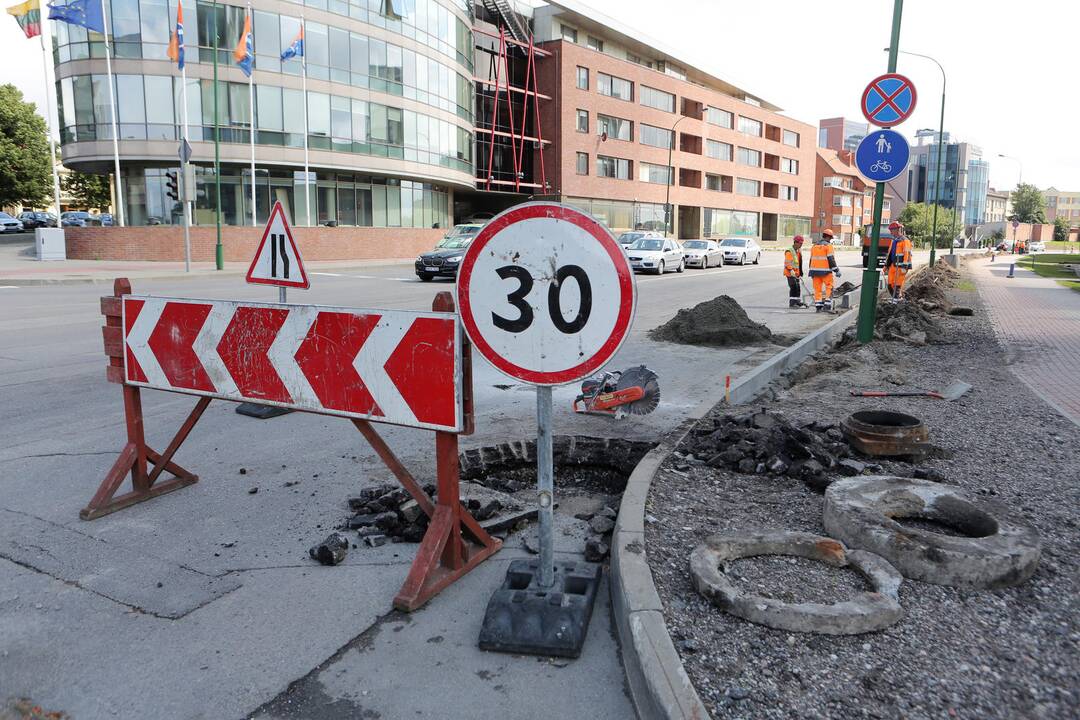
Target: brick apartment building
point(843, 201)
point(1061, 204)
point(630, 123)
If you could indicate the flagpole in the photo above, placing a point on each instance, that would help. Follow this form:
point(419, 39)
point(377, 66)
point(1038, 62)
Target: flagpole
point(112, 113)
point(251, 110)
point(183, 170)
point(307, 172)
point(50, 88)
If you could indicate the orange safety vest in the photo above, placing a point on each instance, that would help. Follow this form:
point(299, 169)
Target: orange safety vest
point(792, 263)
point(822, 261)
point(900, 254)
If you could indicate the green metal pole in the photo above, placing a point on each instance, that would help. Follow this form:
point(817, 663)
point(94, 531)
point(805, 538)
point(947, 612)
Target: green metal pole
point(868, 295)
point(219, 250)
point(937, 188)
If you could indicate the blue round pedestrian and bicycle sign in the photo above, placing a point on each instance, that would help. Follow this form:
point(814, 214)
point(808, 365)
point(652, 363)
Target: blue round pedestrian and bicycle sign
point(889, 100)
point(882, 155)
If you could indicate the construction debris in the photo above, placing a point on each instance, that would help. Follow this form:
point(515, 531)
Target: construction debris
point(332, 550)
point(720, 322)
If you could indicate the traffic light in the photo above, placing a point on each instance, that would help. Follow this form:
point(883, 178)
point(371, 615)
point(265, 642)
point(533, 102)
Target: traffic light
point(170, 184)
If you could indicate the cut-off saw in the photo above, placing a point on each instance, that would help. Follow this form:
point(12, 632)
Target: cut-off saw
point(631, 392)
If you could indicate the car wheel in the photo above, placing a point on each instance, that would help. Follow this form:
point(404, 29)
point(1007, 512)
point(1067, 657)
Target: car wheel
point(705, 262)
point(757, 258)
point(660, 268)
point(742, 259)
point(682, 266)
point(425, 277)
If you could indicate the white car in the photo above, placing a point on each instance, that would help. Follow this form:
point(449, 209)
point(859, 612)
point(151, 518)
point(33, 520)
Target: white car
point(739, 251)
point(702, 253)
point(656, 255)
point(1036, 246)
point(630, 237)
point(8, 224)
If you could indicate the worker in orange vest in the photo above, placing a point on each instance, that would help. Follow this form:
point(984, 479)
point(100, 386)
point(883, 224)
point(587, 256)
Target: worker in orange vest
point(898, 260)
point(793, 271)
point(822, 268)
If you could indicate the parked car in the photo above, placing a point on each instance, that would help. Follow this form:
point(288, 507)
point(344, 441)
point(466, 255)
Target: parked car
point(702, 253)
point(445, 259)
point(740, 250)
point(656, 254)
point(630, 237)
point(32, 219)
point(76, 218)
point(8, 224)
point(463, 230)
point(105, 219)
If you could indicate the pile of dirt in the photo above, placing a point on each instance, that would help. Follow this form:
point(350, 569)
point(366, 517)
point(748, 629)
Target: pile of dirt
point(915, 319)
point(927, 287)
point(766, 443)
point(720, 322)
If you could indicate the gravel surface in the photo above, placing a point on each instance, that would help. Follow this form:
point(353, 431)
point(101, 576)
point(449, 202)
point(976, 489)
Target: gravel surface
point(966, 654)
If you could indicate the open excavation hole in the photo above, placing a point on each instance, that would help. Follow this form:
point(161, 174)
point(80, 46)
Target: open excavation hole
point(886, 419)
point(792, 579)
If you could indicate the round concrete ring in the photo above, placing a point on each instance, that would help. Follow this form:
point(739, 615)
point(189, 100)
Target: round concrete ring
point(1003, 552)
point(866, 612)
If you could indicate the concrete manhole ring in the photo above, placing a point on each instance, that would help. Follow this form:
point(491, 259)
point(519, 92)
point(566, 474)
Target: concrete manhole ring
point(866, 612)
point(1000, 550)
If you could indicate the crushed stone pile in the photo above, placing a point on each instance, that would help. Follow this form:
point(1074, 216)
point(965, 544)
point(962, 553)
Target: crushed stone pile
point(720, 322)
point(766, 443)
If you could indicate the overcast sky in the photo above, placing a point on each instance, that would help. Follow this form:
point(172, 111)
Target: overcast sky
point(1013, 68)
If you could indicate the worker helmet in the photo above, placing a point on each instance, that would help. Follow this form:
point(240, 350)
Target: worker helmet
point(896, 225)
point(799, 240)
point(827, 233)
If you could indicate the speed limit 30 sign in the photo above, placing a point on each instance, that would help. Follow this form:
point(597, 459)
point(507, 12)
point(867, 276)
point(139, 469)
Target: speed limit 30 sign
point(546, 294)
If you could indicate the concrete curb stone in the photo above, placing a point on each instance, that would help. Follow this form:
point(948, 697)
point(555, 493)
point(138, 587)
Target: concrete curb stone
point(658, 683)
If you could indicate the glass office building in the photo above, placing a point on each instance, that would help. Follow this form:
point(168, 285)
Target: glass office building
point(389, 109)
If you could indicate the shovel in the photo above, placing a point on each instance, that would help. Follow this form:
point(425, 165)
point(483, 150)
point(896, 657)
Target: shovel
point(955, 391)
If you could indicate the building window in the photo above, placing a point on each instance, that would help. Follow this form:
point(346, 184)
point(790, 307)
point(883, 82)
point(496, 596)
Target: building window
point(615, 87)
point(841, 201)
point(569, 34)
point(582, 78)
point(595, 44)
point(792, 168)
point(612, 167)
point(718, 150)
point(659, 174)
point(841, 220)
point(746, 156)
point(651, 97)
point(583, 121)
point(791, 138)
point(725, 223)
point(582, 163)
point(615, 128)
point(749, 127)
point(787, 192)
point(657, 137)
point(716, 116)
point(747, 187)
point(720, 183)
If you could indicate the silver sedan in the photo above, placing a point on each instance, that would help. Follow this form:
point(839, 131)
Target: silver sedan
point(702, 254)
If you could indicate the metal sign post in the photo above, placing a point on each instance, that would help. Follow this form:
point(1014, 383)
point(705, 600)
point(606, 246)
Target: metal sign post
point(547, 297)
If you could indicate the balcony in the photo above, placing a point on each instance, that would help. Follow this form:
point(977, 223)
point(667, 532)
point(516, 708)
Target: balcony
point(772, 162)
point(690, 143)
point(773, 132)
point(689, 178)
point(770, 190)
point(693, 109)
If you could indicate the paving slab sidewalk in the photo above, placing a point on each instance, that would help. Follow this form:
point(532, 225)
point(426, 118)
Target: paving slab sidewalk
point(1038, 322)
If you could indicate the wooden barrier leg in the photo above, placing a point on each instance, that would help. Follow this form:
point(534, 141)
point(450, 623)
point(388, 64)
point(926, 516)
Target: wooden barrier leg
point(133, 460)
point(444, 555)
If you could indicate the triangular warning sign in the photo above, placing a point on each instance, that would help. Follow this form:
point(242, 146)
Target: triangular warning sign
point(278, 261)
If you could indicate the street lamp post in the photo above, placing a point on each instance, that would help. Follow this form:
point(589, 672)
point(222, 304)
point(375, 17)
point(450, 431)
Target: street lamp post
point(1019, 181)
point(668, 219)
point(941, 149)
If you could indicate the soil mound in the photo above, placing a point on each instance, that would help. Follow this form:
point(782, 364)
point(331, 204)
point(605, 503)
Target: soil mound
point(925, 296)
point(927, 285)
point(720, 322)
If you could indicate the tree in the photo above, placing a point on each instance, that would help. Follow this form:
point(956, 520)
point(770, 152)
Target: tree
point(1029, 205)
point(918, 220)
point(88, 190)
point(25, 170)
point(1061, 229)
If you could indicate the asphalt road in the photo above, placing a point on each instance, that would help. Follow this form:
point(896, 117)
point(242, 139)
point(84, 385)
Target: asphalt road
point(202, 603)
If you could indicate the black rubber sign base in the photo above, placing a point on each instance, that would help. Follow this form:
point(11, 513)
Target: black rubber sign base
point(262, 412)
point(522, 617)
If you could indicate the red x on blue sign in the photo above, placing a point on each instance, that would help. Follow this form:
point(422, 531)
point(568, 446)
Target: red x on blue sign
point(889, 100)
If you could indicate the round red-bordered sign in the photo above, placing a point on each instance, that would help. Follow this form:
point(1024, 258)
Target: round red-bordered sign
point(889, 100)
point(546, 294)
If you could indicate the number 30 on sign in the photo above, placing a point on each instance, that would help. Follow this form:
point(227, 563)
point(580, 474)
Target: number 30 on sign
point(546, 293)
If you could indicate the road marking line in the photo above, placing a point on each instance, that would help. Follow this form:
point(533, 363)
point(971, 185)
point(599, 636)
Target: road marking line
point(8, 287)
point(326, 274)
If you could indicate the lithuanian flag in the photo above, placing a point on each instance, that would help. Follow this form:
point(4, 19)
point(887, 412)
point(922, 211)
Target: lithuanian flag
point(28, 15)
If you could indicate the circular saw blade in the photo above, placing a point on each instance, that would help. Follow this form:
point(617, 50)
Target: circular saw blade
point(648, 381)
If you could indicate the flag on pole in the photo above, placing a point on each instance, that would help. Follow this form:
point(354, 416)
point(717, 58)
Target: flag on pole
point(297, 47)
point(86, 13)
point(244, 54)
point(28, 15)
point(176, 39)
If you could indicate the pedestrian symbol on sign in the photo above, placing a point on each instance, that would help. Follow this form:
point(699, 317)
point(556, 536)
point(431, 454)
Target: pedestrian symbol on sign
point(883, 145)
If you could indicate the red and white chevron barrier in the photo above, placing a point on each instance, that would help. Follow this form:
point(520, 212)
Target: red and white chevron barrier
point(388, 366)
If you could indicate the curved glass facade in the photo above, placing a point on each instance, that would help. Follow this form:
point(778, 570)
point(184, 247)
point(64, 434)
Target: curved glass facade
point(362, 66)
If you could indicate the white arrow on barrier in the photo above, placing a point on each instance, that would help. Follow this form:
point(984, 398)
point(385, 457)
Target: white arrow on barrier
point(370, 364)
point(206, 344)
point(138, 341)
point(282, 354)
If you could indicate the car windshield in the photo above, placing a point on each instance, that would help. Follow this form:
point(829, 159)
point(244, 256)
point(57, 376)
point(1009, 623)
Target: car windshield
point(455, 243)
point(647, 244)
point(695, 244)
point(5, 216)
point(459, 230)
point(630, 237)
point(734, 242)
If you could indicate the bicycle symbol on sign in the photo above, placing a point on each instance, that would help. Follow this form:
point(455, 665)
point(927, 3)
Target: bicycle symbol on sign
point(881, 166)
